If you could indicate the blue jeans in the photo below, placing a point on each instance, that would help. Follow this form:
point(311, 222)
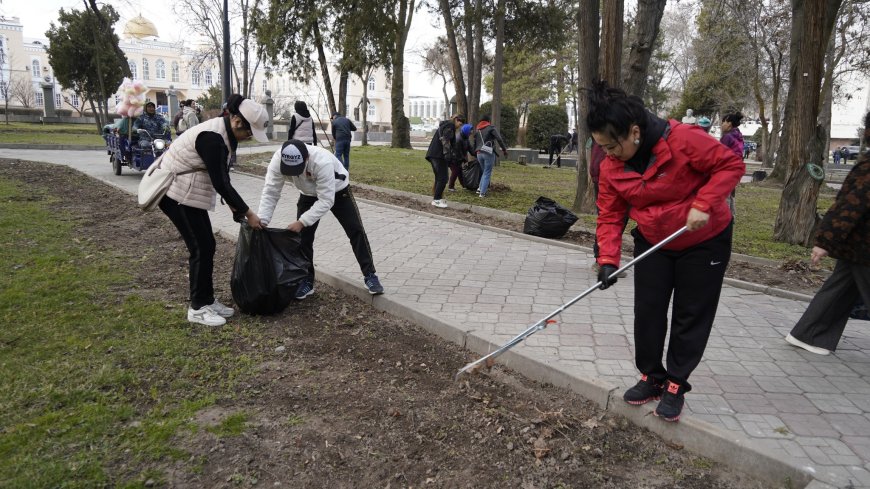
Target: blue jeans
point(342, 152)
point(487, 161)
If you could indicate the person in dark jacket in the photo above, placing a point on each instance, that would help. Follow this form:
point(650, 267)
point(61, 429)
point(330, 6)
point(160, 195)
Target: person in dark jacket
point(666, 175)
point(342, 132)
point(487, 137)
point(461, 153)
point(844, 234)
point(199, 158)
point(441, 150)
point(557, 142)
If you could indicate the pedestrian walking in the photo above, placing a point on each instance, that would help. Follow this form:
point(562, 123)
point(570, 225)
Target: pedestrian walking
point(836, 156)
point(200, 159)
point(485, 140)
point(324, 185)
point(301, 125)
point(342, 133)
point(666, 175)
point(844, 234)
point(732, 138)
point(441, 150)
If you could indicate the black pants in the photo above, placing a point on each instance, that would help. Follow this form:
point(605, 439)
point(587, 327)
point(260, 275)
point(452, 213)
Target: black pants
point(195, 228)
point(825, 319)
point(455, 174)
point(439, 167)
point(346, 212)
point(556, 149)
point(694, 277)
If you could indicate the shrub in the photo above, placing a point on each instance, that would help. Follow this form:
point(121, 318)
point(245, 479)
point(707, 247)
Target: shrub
point(509, 123)
point(63, 112)
point(544, 121)
point(22, 111)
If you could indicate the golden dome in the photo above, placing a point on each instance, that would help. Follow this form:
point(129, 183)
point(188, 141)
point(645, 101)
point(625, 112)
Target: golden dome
point(140, 27)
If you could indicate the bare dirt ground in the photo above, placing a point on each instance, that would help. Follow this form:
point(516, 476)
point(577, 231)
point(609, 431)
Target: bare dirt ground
point(348, 396)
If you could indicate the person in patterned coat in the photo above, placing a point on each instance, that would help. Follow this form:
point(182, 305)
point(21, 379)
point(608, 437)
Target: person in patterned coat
point(844, 234)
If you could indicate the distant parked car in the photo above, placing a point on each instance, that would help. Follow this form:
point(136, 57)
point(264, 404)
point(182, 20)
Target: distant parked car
point(854, 151)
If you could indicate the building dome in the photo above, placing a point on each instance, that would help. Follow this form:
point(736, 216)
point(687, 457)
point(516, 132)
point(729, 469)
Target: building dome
point(140, 27)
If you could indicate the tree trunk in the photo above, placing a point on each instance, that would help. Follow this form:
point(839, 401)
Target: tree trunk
point(610, 57)
point(324, 70)
point(477, 87)
point(776, 120)
point(498, 68)
point(401, 125)
point(649, 18)
point(455, 63)
point(468, 26)
point(364, 77)
point(812, 23)
point(342, 92)
point(93, 109)
point(587, 54)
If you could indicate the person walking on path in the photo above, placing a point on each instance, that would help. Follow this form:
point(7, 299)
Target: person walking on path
point(324, 185)
point(204, 152)
point(301, 125)
point(342, 132)
point(485, 139)
point(844, 234)
point(462, 152)
point(188, 118)
point(441, 150)
point(557, 142)
point(666, 175)
point(732, 138)
point(836, 156)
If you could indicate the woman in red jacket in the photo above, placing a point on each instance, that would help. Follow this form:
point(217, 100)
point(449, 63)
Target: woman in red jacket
point(666, 175)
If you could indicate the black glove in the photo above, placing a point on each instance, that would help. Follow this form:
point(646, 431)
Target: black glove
point(607, 276)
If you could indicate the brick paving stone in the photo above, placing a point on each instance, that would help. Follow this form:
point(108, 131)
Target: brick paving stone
point(791, 403)
point(833, 403)
point(809, 425)
point(848, 424)
point(750, 403)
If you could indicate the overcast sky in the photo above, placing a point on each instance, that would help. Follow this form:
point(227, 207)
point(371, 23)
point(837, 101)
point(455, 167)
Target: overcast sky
point(36, 16)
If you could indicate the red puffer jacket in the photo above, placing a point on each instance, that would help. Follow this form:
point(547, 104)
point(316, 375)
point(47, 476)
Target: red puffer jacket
point(689, 170)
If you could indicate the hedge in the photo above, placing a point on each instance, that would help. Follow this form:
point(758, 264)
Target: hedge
point(544, 121)
point(510, 121)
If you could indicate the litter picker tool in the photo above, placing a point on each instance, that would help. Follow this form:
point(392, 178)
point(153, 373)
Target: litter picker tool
point(488, 360)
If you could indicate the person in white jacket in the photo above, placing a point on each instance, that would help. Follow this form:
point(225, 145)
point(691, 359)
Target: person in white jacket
point(323, 182)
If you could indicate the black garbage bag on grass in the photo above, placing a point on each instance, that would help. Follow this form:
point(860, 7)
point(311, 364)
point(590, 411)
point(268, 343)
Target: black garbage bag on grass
point(471, 173)
point(548, 219)
point(268, 267)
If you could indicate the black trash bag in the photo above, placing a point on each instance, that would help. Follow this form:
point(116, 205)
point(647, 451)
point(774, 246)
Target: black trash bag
point(548, 219)
point(859, 311)
point(268, 267)
point(471, 173)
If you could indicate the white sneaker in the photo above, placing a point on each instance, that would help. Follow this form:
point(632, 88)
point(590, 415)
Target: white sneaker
point(205, 315)
point(222, 310)
point(440, 203)
point(810, 348)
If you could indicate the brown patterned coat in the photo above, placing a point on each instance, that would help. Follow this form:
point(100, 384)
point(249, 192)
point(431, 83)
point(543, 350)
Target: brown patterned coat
point(845, 230)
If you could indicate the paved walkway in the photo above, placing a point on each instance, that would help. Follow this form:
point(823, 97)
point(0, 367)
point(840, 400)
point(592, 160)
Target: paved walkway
point(758, 402)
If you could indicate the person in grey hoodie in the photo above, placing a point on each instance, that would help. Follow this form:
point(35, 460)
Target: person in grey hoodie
point(342, 132)
point(301, 125)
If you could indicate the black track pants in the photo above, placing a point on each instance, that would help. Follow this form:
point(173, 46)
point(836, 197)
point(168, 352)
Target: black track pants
point(194, 226)
point(694, 277)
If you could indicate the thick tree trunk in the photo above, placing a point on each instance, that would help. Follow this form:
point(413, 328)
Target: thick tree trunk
point(455, 63)
point(324, 69)
point(812, 23)
point(587, 54)
point(610, 57)
point(342, 92)
point(401, 125)
point(477, 86)
point(649, 18)
point(364, 107)
point(498, 68)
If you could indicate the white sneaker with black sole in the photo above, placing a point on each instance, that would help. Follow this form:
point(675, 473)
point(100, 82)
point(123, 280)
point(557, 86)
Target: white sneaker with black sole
point(206, 316)
point(440, 203)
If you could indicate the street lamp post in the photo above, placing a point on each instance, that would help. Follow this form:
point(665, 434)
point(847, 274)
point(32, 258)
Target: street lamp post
point(225, 76)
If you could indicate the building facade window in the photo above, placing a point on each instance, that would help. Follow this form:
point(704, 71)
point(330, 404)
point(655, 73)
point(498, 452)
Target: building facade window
point(371, 83)
point(175, 75)
point(194, 78)
point(74, 98)
point(133, 71)
point(264, 87)
point(38, 98)
point(371, 111)
point(208, 79)
point(145, 74)
point(34, 67)
point(2, 90)
point(57, 100)
point(160, 69)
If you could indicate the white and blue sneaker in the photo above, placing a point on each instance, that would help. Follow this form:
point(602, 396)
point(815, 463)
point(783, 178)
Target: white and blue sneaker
point(305, 288)
point(222, 310)
point(373, 284)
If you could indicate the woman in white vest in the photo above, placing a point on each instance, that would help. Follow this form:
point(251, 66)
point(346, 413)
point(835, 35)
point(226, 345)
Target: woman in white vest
point(207, 148)
point(301, 125)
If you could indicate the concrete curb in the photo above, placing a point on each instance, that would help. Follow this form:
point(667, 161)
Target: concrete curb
point(698, 436)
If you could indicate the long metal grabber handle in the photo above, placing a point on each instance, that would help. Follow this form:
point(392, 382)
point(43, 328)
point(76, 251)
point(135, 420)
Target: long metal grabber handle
point(542, 324)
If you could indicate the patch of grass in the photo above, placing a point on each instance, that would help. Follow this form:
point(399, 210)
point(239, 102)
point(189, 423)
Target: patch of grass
point(517, 187)
point(91, 379)
point(294, 420)
point(29, 133)
point(232, 425)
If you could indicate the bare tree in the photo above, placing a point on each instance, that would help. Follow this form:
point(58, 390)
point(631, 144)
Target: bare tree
point(455, 63)
point(80, 108)
point(21, 89)
point(437, 63)
point(648, 18)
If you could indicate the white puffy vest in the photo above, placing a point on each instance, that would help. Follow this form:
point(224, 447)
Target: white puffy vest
point(304, 130)
point(193, 189)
